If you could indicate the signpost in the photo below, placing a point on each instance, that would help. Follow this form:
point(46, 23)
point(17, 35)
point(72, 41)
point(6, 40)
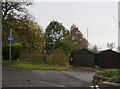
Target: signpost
point(10, 44)
point(10, 38)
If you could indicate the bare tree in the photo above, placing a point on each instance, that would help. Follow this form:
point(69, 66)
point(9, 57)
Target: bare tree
point(118, 48)
point(110, 45)
point(17, 9)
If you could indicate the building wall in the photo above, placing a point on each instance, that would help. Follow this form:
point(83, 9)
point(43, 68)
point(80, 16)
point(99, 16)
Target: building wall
point(108, 59)
point(58, 57)
point(84, 58)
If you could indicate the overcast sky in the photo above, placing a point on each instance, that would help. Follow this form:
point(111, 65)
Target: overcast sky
point(101, 18)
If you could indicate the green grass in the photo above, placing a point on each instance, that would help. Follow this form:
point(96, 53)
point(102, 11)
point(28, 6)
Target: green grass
point(35, 65)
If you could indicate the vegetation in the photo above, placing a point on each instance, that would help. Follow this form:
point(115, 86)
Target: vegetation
point(30, 35)
point(25, 32)
point(33, 56)
point(35, 65)
point(109, 75)
point(15, 53)
point(94, 49)
point(11, 7)
point(55, 34)
point(67, 45)
point(112, 75)
point(77, 38)
point(11, 13)
point(110, 72)
point(110, 45)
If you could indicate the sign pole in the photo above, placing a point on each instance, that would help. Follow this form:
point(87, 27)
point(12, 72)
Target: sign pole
point(10, 44)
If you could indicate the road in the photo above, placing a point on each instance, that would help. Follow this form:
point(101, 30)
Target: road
point(45, 78)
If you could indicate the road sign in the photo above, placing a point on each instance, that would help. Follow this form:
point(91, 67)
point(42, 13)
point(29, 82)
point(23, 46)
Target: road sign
point(10, 38)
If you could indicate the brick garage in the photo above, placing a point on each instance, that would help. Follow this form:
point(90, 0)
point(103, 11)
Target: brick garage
point(58, 57)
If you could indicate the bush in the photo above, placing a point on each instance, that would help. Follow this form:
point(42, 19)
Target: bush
point(16, 50)
point(114, 79)
point(112, 75)
point(111, 72)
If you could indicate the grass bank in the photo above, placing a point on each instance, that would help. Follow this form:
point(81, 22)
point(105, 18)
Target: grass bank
point(35, 65)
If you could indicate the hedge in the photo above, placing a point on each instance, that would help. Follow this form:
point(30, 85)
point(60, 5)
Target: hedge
point(33, 57)
point(16, 50)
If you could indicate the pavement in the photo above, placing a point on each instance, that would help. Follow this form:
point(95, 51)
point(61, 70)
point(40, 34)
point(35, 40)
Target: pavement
point(45, 78)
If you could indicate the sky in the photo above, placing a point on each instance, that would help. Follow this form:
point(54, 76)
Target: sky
point(101, 19)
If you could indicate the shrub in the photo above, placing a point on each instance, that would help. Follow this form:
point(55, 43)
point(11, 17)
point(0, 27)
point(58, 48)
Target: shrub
point(16, 50)
point(111, 72)
point(114, 79)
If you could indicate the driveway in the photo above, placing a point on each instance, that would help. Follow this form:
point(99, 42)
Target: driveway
point(45, 78)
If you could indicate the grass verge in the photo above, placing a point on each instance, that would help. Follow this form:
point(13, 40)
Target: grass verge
point(35, 65)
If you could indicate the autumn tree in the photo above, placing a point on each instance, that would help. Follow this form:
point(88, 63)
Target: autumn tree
point(29, 34)
point(11, 13)
point(25, 30)
point(77, 38)
point(55, 34)
point(34, 41)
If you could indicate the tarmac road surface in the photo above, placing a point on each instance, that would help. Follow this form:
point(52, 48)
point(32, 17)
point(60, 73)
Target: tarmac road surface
point(45, 78)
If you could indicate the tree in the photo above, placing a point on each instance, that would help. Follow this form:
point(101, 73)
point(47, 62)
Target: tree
point(12, 14)
point(27, 33)
point(25, 30)
point(34, 40)
point(110, 45)
point(55, 33)
point(66, 45)
point(30, 36)
point(17, 9)
point(94, 49)
point(77, 38)
point(118, 48)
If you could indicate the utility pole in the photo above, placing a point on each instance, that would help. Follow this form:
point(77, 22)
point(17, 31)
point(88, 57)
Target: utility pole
point(119, 32)
point(10, 44)
point(87, 38)
point(87, 34)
